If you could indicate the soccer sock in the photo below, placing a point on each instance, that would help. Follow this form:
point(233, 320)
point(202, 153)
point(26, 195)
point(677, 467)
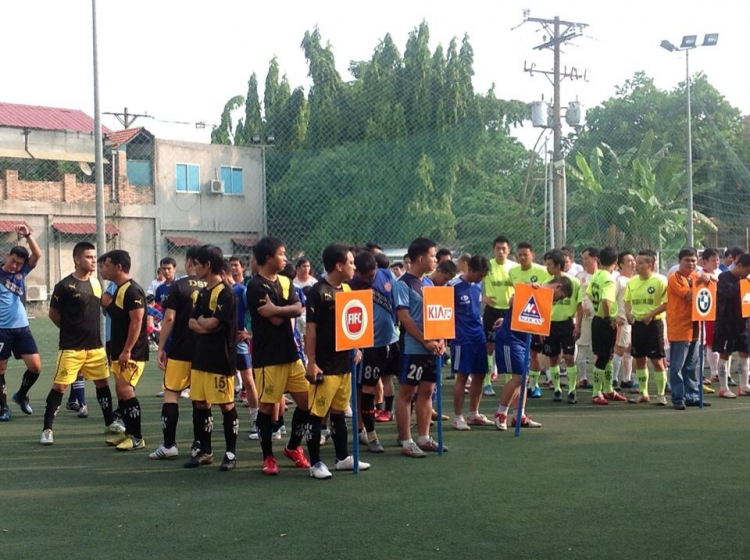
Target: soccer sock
point(208, 429)
point(131, 411)
point(72, 394)
point(582, 361)
point(572, 378)
point(555, 372)
point(314, 424)
point(380, 406)
point(170, 413)
point(79, 390)
point(54, 400)
point(534, 378)
point(608, 380)
point(104, 397)
point(389, 403)
point(598, 381)
point(713, 362)
point(502, 409)
point(627, 367)
point(744, 374)
point(643, 381)
point(3, 392)
point(339, 434)
point(231, 429)
point(661, 382)
point(723, 380)
point(299, 419)
point(118, 411)
point(265, 429)
point(253, 415)
point(29, 378)
point(616, 367)
point(368, 412)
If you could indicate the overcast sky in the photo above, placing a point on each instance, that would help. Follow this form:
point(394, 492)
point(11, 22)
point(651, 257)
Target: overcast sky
point(182, 60)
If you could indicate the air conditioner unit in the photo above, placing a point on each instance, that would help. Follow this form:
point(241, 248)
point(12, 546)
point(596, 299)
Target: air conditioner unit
point(36, 293)
point(217, 186)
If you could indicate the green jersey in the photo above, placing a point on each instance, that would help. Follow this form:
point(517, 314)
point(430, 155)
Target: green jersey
point(564, 309)
point(602, 286)
point(646, 295)
point(536, 274)
point(497, 284)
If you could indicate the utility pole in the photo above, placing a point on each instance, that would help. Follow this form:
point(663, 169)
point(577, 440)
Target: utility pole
point(559, 32)
point(127, 119)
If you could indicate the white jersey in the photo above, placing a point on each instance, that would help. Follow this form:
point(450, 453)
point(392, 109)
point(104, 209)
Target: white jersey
point(622, 283)
point(311, 281)
point(574, 270)
point(584, 278)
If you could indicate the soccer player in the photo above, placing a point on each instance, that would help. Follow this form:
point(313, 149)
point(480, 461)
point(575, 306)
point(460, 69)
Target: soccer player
point(645, 300)
point(602, 292)
point(497, 289)
point(683, 331)
point(302, 278)
point(572, 268)
point(529, 272)
point(730, 329)
point(419, 365)
point(710, 258)
point(398, 269)
point(443, 254)
point(384, 358)
point(128, 351)
point(272, 303)
point(214, 321)
point(445, 271)
point(15, 334)
point(622, 361)
point(328, 371)
point(469, 350)
point(74, 309)
point(566, 319)
point(168, 268)
point(583, 344)
point(510, 351)
point(175, 355)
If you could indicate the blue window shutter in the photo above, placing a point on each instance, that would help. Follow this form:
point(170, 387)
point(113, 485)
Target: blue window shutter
point(181, 178)
point(226, 176)
point(194, 178)
point(236, 181)
point(139, 172)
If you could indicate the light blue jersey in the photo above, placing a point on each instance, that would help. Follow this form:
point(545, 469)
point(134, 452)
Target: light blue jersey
point(407, 294)
point(12, 299)
point(383, 305)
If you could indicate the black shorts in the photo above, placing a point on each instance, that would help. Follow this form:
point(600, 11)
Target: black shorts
point(379, 362)
point(648, 340)
point(560, 339)
point(19, 342)
point(417, 368)
point(536, 343)
point(489, 317)
point(728, 342)
point(603, 336)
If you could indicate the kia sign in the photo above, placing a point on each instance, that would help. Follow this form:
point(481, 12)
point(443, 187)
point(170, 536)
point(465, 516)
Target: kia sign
point(437, 312)
point(354, 320)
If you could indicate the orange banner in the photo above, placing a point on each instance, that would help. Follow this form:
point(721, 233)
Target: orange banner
point(438, 312)
point(532, 309)
point(745, 294)
point(704, 302)
point(354, 320)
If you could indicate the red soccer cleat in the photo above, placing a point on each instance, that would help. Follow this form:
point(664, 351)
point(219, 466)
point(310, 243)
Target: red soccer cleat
point(383, 415)
point(615, 396)
point(270, 467)
point(298, 456)
point(600, 400)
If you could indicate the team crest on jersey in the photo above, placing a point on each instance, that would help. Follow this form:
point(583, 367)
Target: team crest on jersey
point(530, 313)
point(387, 287)
point(651, 290)
point(321, 402)
point(534, 278)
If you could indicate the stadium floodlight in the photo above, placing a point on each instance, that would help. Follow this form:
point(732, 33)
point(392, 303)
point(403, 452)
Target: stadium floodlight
point(270, 139)
point(255, 139)
point(688, 41)
point(667, 45)
point(710, 40)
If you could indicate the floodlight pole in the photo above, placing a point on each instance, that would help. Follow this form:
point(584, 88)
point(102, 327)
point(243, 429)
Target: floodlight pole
point(101, 235)
point(690, 224)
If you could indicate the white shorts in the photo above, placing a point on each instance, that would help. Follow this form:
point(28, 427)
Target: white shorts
point(624, 336)
point(585, 338)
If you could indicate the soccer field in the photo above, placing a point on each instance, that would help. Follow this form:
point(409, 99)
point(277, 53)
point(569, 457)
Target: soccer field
point(622, 481)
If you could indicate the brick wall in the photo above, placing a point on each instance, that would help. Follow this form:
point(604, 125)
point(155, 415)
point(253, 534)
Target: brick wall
point(17, 189)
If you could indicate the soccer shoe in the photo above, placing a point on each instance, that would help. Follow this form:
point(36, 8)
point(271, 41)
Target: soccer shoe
point(5, 415)
point(488, 391)
point(270, 467)
point(383, 416)
point(661, 400)
point(435, 416)
point(615, 396)
point(282, 430)
point(599, 400)
point(526, 422)
point(731, 383)
point(679, 406)
point(116, 427)
point(160, 393)
point(697, 403)
point(572, 398)
point(726, 394)
point(83, 412)
point(536, 392)
point(320, 471)
point(74, 406)
point(228, 462)
point(635, 389)
point(744, 391)
point(375, 446)
point(131, 444)
point(162, 452)
point(298, 456)
point(640, 399)
point(47, 438)
point(461, 425)
point(479, 420)
point(549, 384)
point(584, 384)
point(626, 385)
point(197, 459)
point(23, 403)
point(348, 464)
point(117, 439)
point(501, 421)
point(254, 435)
point(363, 437)
point(412, 450)
point(276, 435)
point(557, 396)
point(708, 389)
point(431, 445)
point(615, 384)
point(185, 394)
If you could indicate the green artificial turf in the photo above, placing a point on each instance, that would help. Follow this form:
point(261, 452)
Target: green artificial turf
point(622, 481)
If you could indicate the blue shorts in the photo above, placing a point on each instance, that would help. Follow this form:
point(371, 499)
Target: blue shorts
point(510, 359)
point(244, 359)
point(416, 368)
point(469, 358)
point(19, 342)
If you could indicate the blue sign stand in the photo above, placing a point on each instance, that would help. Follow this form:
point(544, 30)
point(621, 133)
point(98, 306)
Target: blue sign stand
point(524, 377)
point(439, 396)
point(355, 415)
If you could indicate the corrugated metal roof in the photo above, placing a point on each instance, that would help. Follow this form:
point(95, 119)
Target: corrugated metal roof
point(182, 241)
point(7, 226)
point(46, 118)
point(83, 228)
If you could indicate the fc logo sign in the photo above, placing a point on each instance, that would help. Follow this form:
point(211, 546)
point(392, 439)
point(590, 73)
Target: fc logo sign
point(355, 319)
